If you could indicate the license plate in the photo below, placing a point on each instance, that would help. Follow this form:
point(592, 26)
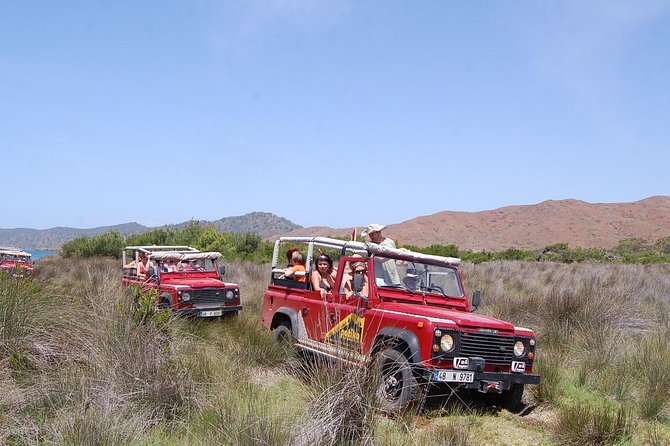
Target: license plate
point(211, 313)
point(454, 376)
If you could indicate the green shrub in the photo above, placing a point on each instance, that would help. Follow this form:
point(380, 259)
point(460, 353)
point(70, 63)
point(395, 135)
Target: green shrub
point(582, 424)
point(241, 415)
point(549, 366)
point(652, 363)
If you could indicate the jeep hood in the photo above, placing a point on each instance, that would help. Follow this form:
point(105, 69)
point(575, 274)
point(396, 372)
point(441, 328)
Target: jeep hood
point(441, 316)
point(200, 282)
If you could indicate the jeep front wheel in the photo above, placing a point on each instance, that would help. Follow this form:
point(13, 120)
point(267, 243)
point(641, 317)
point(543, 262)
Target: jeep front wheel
point(512, 399)
point(165, 302)
point(397, 385)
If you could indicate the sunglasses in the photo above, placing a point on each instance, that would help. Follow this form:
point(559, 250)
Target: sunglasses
point(359, 271)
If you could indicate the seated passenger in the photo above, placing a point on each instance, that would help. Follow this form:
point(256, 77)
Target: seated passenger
point(298, 260)
point(142, 266)
point(289, 256)
point(169, 266)
point(198, 265)
point(323, 277)
point(411, 280)
point(357, 268)
point(346, 275)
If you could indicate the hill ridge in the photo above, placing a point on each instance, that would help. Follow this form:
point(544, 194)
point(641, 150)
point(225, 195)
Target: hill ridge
point(531, 226)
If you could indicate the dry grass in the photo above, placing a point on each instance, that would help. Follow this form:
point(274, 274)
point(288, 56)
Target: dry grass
point(77, 366)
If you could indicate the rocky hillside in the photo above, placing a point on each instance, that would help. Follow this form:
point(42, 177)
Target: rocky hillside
point(581, 224)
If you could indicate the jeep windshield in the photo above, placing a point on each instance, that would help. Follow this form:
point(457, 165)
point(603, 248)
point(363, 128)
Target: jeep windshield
point(15, 258)
point(186, 266)
point(417, 277)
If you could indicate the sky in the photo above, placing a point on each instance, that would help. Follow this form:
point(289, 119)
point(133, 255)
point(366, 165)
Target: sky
point(328, 113)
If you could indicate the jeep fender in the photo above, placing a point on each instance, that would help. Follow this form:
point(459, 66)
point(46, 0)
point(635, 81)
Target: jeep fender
point(286, 313)
point(166, 297)
point(394, 334)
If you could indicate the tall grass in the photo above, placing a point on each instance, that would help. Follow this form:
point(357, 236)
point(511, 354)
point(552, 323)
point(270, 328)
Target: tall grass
point(88, 360)
point(83, 362)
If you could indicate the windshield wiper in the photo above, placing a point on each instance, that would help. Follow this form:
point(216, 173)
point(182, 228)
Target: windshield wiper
point(394, 285)
point(433, 288)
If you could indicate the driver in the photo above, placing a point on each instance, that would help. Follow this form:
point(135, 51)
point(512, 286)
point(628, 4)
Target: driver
point(412, 279)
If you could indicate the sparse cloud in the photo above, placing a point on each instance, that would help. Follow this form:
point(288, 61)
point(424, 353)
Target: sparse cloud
point(582, 49)
point(233, 23)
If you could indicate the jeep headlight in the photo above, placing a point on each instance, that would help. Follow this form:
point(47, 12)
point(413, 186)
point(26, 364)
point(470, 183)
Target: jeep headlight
point(519, 348)
point(230, 294)
point(185, 296)
point(447, 343)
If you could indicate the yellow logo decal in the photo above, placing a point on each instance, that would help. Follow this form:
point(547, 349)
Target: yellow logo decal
point(348, 333)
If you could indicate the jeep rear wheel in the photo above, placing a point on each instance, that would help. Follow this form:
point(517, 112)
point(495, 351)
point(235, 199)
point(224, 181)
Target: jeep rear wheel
point(397, 385)
point(282, 335)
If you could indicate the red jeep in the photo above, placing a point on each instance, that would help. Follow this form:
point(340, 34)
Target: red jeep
point(15, 262)
point(188, 281)
point(409, 313)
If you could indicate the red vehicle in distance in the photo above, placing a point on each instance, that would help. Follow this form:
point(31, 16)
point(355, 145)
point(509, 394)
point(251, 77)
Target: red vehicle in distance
point(15, 262)
point(188, 281)
point(405, 312)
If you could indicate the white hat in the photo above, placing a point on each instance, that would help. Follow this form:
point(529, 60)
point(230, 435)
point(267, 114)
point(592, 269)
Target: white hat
point(412, 272)
point(374, 227)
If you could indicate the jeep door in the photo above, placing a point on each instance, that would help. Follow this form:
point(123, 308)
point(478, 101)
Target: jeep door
point(345, 314)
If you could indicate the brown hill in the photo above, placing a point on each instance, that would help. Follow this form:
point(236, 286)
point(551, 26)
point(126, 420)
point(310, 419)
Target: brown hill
point(580, 224)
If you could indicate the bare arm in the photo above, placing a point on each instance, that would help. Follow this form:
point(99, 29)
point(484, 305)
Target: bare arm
point(315, 279)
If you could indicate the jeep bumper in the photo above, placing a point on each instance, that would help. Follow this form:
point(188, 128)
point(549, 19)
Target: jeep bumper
point(485, 382)
point(208, 312)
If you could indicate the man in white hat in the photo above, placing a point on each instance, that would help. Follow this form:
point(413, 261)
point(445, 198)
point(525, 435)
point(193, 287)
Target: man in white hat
point(374, 231)
point(388, 273)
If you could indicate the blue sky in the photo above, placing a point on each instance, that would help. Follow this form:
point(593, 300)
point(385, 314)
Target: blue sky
point(335, 113)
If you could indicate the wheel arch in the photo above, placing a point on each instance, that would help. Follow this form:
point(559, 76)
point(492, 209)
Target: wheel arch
point(166, 296)
point(398, 337)
point(285, 314)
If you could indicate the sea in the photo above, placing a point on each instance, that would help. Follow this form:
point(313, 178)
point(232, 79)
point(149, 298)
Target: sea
point(40, 253)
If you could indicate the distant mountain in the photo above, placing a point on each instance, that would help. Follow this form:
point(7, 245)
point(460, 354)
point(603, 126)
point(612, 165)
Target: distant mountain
point(53, 238)
point(263, 223)
point(580, 224)
point(575, 222)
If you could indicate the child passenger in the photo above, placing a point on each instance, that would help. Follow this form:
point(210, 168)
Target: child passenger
point(298, 260)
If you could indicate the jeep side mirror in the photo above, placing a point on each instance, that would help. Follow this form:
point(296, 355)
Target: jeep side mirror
point(357, 283)
point(222, 270)
point(476, 300)
point(357, 286)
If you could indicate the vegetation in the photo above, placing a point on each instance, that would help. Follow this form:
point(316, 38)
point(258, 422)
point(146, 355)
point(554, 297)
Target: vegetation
point(84, 362)
point(630, 250)
point(250, 246)
point(233, 246)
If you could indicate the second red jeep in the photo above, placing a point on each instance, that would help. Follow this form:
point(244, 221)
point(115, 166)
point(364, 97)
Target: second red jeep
point(188, 281)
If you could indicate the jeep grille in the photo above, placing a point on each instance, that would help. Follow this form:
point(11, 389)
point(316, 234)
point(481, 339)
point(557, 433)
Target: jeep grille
point(494, 348)
point(209, 296)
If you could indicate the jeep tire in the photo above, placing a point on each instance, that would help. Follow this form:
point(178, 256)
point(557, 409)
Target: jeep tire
point(511, 399)
point(397, 386)
point(283, 334)
point(165, 302)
